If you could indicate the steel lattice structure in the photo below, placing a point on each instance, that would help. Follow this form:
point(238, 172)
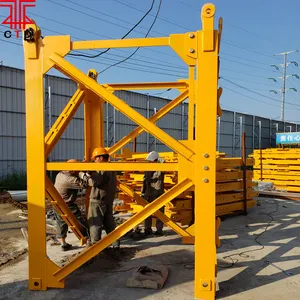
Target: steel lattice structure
point(196, 164)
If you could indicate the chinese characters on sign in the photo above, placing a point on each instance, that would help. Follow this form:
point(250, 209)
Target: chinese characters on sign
point(17, 19)
point(288, 138)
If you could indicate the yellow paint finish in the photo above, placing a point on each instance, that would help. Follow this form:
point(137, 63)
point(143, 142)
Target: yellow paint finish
point(161, 113)
point(205, 146)
point(123, 229)
point(62, 122)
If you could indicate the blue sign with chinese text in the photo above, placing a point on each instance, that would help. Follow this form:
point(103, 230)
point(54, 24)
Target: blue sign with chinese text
point(288, 138)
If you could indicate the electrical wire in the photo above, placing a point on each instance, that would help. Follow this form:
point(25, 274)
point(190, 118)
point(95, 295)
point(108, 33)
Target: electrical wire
point(189, 29)
point(249, 90)
point(155, 18)
point(247, 49)
point(124, 36)
point(160, 18)
point(255, 82)
point(261, 246)
point(248, 74)
point(161, 62)
point(227, 88)
point(122, 67)
point(110, 16)
point(238, 57)
point(262, 37)
point(237, 62)
point(89, 15)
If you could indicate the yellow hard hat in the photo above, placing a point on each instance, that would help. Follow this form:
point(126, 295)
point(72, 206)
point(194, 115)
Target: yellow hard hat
point(72, 160)
point(99, 151)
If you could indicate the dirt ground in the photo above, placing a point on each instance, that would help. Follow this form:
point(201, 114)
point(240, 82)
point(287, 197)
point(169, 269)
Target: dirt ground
point(251, 266)
point(12, 245)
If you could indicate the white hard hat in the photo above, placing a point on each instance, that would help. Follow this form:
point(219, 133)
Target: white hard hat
point(152, 156)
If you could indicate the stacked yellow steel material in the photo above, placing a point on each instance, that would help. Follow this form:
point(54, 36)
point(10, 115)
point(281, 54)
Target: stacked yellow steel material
point(229, 197)
point(230, 185)
point(280, 166)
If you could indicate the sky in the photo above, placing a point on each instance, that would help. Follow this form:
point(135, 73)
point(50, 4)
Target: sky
point(253, 31)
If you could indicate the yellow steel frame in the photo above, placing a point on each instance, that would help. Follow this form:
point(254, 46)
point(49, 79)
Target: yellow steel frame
point(200, 51)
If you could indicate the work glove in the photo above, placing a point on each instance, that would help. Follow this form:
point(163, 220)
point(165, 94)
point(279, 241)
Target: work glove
point(83, 175)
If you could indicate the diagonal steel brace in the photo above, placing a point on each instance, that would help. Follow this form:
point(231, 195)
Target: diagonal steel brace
point(121, 230)
point(127, 190)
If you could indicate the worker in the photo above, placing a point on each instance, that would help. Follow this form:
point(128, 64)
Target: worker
point(153, 187)
point(100, 212)
point(68, 184)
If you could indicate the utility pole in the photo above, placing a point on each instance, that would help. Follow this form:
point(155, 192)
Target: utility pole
point(284, 77)
point(283, 87)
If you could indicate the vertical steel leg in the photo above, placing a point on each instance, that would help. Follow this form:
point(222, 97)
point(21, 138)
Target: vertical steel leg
point(40, 267)
point(191, 107)
point(205, 173)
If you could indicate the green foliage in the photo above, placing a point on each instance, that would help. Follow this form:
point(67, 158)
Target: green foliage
point(14, 181)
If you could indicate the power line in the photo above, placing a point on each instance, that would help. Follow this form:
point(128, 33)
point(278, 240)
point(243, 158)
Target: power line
point(293, 96)
point(262, 37)
point(255, 82)
point(89, 15)
point(227, 88)
point(10, 42)
point(151, 66)
point(110, 16)
point(238, 57)
point(121, 67)
point(124, 36)
point(245, 30)
point(101, 35)
point(237, 62)
point(160, 18)
point(157, 13)
point(248, 74)
point(249, 90)
point(189, 29)
point(246, 49)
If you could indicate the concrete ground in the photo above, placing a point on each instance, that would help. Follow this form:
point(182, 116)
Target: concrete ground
point(271, 271)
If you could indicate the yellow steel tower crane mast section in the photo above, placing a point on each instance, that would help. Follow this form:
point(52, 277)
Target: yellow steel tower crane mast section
point(200, 51)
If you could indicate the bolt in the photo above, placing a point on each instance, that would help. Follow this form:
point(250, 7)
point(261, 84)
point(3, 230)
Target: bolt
point(206, 155)
point(206, 168)
point(192, 50)
point(205, 284)
point(205, 180)
point(191, 35)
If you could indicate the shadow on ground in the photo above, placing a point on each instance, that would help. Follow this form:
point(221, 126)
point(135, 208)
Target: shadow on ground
point(278, 256)
point(105, 277)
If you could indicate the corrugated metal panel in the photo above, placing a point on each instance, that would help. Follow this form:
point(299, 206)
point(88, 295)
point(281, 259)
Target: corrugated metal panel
point(12, 94)
point(12, 122)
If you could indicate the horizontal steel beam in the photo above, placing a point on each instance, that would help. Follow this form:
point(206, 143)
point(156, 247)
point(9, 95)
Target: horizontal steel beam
point(112, 166)
point(72, 72)
point(147, 85)
point(126, 43)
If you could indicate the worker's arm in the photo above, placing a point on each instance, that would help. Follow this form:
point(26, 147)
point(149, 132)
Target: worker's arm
point(96, 179)
point(146, 180)
point(74, 183)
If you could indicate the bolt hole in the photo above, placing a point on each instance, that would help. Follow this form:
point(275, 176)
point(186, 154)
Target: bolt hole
point(36, 283)
point(208, 11)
